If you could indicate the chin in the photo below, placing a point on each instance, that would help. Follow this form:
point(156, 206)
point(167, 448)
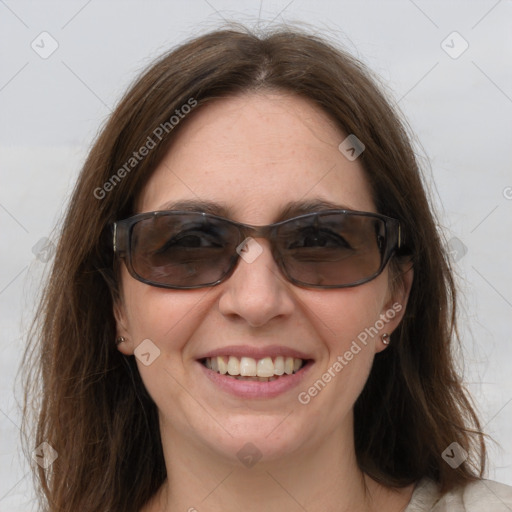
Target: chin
point(265, 438)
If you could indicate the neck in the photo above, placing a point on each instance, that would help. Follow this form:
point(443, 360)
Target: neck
point(318, 477)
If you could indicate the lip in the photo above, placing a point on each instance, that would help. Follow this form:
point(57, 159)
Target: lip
point(253, 389)
point(256, 352)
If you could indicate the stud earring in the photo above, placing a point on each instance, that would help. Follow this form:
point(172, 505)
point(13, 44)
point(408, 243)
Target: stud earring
point(385, 339)
point(119, 340)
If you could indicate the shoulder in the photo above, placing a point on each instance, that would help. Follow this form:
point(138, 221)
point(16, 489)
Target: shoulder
point(479, 496)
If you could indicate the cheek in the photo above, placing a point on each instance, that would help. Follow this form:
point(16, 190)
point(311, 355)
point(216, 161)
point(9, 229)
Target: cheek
point(345, 314)
point(346, 320)
point(164, 316)
point(168, 319)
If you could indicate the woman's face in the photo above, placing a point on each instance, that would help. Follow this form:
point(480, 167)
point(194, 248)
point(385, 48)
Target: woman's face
point(254, 154)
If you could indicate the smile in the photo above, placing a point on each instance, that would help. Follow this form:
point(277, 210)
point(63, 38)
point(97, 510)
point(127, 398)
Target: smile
point(249, 372)
point(266, 369)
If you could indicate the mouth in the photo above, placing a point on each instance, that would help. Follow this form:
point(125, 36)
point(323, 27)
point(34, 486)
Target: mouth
point(250, 372)
point(266, 369)
point(255, 373)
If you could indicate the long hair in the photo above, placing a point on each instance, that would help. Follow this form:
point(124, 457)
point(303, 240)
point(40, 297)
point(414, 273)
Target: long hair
point(87, 400)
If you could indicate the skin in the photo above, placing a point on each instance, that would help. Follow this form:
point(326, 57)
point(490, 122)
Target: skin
point(255, 153)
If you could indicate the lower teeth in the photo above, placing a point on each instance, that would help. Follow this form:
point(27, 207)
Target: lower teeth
point(255, 379)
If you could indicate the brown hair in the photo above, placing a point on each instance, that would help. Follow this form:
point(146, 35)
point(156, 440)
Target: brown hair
point(88, 399)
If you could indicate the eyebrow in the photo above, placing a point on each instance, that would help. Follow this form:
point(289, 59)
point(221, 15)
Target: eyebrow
point(291, 209)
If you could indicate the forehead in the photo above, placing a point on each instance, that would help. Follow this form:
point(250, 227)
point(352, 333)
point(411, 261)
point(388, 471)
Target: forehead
point(249, 156)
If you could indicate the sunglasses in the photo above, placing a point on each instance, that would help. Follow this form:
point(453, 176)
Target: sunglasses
point(185, 250)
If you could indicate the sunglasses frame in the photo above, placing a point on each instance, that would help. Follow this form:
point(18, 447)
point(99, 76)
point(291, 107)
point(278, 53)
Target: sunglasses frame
point(122, 232)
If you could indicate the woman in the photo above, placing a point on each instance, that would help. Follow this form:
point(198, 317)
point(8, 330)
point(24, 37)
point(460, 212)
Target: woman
point(250, 305)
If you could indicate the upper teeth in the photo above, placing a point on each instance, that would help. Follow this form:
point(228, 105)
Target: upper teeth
point(249, 367)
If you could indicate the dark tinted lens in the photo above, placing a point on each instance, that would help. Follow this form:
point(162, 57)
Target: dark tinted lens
point(182, 250)
point(332, 249)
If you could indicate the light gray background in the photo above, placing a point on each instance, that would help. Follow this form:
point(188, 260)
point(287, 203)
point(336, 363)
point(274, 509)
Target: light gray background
point(460, 109)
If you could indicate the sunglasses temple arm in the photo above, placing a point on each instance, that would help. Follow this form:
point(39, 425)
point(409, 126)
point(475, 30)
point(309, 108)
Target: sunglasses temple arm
point(114, 236)
point(120, 234)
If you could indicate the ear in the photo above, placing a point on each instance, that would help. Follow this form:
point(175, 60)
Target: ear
point(394, 308)
point(122, 328)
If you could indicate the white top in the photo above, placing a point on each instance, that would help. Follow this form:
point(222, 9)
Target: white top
point(479, 496)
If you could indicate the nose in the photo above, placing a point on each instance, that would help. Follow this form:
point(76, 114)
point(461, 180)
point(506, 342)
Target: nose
point(256, 291)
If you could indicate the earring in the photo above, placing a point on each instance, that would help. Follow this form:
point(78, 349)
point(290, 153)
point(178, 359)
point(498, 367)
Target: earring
point(385, 339)
point(119, 340)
